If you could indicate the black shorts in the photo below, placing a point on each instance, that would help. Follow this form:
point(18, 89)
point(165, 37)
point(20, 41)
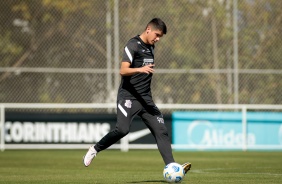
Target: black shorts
point(150, 114)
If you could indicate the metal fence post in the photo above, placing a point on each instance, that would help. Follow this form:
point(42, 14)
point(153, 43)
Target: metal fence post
point(244, 128)
point(2, 125)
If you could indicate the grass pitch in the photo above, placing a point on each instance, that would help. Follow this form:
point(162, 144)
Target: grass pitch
point(135, 166)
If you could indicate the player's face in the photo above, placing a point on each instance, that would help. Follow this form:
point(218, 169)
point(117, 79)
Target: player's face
point(153, 36)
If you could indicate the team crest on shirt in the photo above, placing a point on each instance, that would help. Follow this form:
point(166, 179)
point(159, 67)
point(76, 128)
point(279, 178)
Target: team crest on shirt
point(128, 103)
point(147, 50)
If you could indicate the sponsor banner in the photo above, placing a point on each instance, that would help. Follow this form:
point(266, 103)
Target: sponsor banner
point(69, 128)
point(223, 130)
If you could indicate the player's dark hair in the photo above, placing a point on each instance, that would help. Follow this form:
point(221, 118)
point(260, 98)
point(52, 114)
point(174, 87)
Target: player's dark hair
point(158, 24)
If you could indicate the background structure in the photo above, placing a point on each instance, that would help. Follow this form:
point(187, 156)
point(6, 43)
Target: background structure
point(69, 51)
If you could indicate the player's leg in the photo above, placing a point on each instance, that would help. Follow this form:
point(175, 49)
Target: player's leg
point(126, 110)
point(156, 125)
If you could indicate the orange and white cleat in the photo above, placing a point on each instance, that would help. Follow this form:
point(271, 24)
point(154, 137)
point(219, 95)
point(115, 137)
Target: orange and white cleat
point(186, 166)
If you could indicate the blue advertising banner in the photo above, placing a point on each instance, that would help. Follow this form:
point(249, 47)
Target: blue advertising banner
point(224, 130)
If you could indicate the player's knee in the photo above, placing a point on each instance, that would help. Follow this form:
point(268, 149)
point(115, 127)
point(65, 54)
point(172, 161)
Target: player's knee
point(162, 132)
point(122, 131)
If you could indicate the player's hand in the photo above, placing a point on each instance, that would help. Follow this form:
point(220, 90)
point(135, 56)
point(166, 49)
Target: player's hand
point(147, 69)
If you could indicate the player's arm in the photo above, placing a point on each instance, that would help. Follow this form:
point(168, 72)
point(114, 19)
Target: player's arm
point(125, 69)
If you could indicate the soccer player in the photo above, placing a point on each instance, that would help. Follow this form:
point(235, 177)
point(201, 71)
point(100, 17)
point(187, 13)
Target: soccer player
point(134, 94)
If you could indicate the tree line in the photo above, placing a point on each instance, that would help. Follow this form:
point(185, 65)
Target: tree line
point(71, 34)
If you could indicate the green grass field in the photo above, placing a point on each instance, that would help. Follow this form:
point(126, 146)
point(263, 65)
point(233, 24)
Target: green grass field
point(113, 166)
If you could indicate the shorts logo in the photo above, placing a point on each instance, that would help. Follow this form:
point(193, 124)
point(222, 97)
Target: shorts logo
point(160, 120)
point(128, 103)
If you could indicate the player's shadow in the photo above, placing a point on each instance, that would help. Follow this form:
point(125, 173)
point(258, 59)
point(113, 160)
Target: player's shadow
point(149, 181)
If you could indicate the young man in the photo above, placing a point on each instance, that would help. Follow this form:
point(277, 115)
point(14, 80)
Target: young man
point(134, 95)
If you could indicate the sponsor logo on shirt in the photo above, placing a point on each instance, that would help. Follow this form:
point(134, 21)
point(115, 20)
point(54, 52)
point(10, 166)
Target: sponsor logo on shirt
point(148, 61)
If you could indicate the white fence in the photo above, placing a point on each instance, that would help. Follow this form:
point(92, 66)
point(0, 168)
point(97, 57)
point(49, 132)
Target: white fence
point(125, 143)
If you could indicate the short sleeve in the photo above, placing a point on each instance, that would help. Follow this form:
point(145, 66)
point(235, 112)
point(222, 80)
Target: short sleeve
point(129, 51)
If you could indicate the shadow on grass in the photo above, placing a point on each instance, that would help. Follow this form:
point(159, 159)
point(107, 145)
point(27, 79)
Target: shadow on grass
point(149, 181)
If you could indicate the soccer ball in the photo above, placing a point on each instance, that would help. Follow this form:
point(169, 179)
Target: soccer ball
point(173, 173)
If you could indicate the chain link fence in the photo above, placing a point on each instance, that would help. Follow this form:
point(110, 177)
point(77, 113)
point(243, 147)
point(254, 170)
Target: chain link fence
point(69, 51)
